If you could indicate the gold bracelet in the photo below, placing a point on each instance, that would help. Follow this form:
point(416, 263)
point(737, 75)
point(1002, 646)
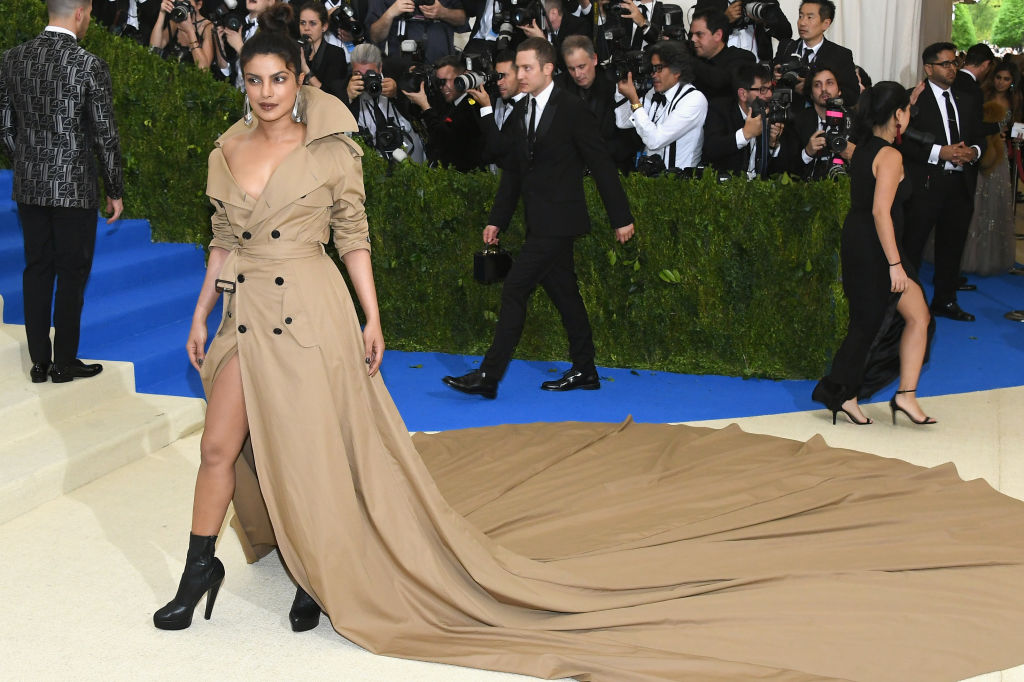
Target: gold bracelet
point(636, 106)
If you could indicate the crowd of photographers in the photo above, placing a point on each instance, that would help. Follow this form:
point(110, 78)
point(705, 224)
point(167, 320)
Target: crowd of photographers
point(733, 89)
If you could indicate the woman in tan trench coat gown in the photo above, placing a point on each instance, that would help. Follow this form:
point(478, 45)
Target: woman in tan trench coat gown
point(603, 552)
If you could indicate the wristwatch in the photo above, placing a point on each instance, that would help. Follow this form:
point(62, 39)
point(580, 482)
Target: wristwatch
point(636, 106)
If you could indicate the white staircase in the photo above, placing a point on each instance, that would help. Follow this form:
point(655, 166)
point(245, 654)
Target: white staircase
point(57, 437)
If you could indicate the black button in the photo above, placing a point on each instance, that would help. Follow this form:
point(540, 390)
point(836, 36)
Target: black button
point(247, 235)
point(241, 278)
point(277, 330)
point(241, 329)
point(287, 320)
point(229, 314)
point(279, 281)
point(275, 234)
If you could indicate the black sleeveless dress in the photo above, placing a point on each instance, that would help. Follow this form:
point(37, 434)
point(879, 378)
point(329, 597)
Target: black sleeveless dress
point(868, 358)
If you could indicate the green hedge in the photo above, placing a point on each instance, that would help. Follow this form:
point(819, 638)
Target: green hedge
point(739, 278)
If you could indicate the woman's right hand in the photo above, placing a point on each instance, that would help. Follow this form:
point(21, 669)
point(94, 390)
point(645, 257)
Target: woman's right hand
point(898, 279)
point(166, 6)
point(196, 346)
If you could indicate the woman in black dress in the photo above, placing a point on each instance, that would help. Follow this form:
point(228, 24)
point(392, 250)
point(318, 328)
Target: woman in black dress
point(325, 66)
point(890, 325)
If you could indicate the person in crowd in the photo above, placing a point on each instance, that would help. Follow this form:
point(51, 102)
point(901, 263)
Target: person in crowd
point(56, 113)
point(990, 248)
point(670, 118)
point(642, 19)
point(454, 135)
point(863, 79)
point(733, 130)
point(324, 66)
point(225, 58)
point(753, 33)
point(559, 26)
point(716, 61)
point(392, 21)
point(978, 63)
point(371, 111)
point(590, 82)
point(556, 138)
point(877, 277)
point(945, 175)
point(132, 19)
point(187, 41)
point(808, 155)
point(815, 18)
point(496, 113)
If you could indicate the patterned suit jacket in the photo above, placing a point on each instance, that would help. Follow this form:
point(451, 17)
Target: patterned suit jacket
point(56, 117)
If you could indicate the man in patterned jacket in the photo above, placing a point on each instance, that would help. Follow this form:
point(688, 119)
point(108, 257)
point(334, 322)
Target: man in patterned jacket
point(56, 116)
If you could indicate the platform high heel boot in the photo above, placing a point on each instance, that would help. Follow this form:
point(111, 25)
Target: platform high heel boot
point(203, 574)
point(305, 612)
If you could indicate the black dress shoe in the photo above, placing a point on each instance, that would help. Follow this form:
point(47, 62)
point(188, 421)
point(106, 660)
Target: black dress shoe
point(573, 379)
point(966, 287)
point(475, 383)
point(39, 371)
point(952, 311)
point(305, 613)
point(62, 372)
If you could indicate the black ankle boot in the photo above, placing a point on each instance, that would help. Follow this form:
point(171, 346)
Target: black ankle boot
point(203, 573)
point(305, 613)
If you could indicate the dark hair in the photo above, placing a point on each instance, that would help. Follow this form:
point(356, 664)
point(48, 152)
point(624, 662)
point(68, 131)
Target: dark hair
point(317, 7)
point(452, 60)
point(578, 43)
point(933, 50)
point(674, 55)
point(273, 38)
point(544, 50)
point(865, 79)
point(877, 105)
point(746, 74)
point(979, 54)
point(714, 19)
point(505, 56)
point(818, 68)
point(826, 8)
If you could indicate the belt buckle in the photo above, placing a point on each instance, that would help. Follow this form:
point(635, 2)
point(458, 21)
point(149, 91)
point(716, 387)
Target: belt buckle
point(225, 285)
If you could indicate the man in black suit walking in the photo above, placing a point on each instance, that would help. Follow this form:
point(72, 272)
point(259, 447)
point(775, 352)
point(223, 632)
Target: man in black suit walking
point(816, 16)
point(56, 112)
point(944, 175)
point(557, 137)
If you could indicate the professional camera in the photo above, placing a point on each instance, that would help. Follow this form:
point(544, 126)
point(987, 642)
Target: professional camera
point(762, 11)
point(672, 26)
point(779, 109)
point(306, 45)
point(518, 13)
point(838, 125)
point(793, 70)
point(222, 16)
point(635, 62)
point(651, 166)
point(373, 83)
point(419, 74)
point(180, 11)
point(344, 19)
point(479, 72)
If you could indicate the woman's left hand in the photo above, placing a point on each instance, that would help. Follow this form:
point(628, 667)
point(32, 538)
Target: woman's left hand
point(373, 342)
point(898, 279)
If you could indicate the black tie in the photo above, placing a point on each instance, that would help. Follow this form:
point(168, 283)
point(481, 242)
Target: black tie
point(808, 52)
point(531, 131)
point(954, 130)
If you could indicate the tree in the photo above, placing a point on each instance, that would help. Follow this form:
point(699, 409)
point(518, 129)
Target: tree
point(1009, 27)
point(964, 34)
point(983, 14)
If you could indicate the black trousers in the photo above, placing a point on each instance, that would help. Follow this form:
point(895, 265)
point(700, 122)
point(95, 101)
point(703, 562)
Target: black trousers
point(59, 244)
point(947, 206)
point(547, 261)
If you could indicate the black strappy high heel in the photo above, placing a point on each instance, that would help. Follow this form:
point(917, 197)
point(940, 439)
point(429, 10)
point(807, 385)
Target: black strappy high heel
point(827, 397)
point(894, 408)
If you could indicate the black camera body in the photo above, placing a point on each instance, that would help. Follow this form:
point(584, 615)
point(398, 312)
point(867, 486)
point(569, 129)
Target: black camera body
point(672, 25)
point(793, 70)
point(344, 19)
point(479, 73)
point(518, 13)
point(779, 109)
point(838, 125)
point(373, 83)
point(180, 11)
point(762, 12)
point(621, 64)
point(222, 16)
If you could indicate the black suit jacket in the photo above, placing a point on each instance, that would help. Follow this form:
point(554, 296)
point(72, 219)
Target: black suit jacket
point(714, 76)
point(551, 184)
point(838, 58)
point(794, 140)
point(455, 138)
point(331, 68)
point(723, 120)
point(56, 117)
point(601, 99)
point(114, 14)
point(928, 119)
point(780, 30)
point(966, 84)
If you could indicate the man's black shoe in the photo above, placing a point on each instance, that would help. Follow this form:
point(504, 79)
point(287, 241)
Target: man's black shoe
point(39, 371)
point(573, 379)
point(62, 372)
point(963, 285)
point(475, 383)
point(952, 311)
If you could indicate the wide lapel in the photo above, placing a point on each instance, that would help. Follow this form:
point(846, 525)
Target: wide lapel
point(549, 113)
point(298, 175)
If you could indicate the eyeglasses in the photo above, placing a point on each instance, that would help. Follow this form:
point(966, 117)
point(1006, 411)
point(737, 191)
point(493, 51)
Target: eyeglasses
point(656, 68)
point(763, 90)
point(946, 64)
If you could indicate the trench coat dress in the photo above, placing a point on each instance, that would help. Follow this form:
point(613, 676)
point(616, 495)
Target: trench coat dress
point(606, 552)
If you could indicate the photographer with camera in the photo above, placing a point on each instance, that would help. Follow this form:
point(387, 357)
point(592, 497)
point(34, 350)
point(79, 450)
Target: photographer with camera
point(670, 118)
point(432, 24)
point(495, 112)
point(373, 101)
point(454, 135)
point(813, 47)
point(819, 139)
point(753, 24)
point(181, 33)
point(716, 61)
point(324, 65)
point(559, 26)
point(590, 82)
point(236, 36)
point(734, 130)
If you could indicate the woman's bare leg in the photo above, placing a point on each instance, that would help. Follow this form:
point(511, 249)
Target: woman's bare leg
point(913, 342)
point(226, 428)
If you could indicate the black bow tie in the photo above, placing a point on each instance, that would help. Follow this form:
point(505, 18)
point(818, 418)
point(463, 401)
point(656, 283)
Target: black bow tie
point(659, 98)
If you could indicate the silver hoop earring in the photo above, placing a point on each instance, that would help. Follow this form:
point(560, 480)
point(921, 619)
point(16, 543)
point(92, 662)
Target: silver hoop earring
point(297, 112)
point(247, 112)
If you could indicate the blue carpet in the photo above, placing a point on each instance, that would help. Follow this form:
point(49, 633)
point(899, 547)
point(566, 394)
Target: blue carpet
point(141, 295)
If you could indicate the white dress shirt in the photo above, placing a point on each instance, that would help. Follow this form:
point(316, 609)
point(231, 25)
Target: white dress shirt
point(742, 141)
point(60, 29)
point(679, 122)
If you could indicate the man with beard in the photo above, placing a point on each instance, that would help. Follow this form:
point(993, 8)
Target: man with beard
point(732, 131)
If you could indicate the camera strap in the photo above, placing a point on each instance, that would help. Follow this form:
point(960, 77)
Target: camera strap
point(683, 92)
